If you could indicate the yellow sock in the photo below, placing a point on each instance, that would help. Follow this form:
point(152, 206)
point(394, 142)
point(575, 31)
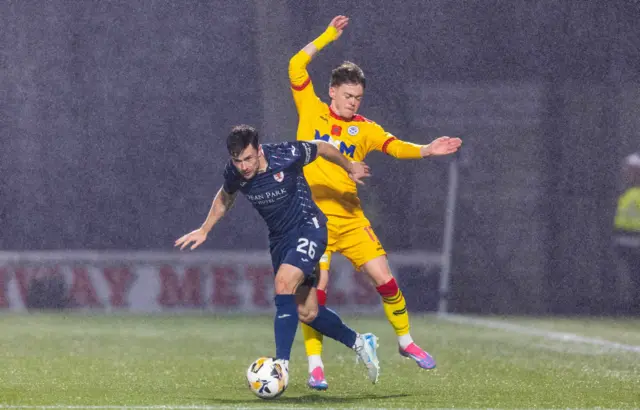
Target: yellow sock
point(395, 307)
point(312, 340)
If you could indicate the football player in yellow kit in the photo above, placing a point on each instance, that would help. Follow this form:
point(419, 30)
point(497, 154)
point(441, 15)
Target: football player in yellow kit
point(350, 232)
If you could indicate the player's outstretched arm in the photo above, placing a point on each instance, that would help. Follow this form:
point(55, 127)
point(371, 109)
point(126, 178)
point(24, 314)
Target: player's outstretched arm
point(356, 170)
point(407, 150)
point(222, 202)
point(441, 146)
point(298, 63)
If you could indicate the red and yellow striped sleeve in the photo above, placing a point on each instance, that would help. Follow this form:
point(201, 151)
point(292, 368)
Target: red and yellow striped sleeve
point(402, 149)
point(381, 140)
point(301, 86)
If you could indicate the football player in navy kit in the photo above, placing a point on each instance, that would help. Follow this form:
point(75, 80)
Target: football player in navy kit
point(271, 177)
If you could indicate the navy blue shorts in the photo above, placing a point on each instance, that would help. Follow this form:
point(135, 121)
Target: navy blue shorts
point(302, 248)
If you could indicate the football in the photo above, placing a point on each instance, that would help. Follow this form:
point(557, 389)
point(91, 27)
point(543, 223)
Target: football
point(267, 378)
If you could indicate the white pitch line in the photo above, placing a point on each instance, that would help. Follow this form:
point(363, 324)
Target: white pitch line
point(547, 334)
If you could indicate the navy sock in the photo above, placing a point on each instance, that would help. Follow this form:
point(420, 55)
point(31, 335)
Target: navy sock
point(329, 324)
point(285, 325)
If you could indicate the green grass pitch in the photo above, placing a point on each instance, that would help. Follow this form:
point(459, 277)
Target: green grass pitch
point(193, 361)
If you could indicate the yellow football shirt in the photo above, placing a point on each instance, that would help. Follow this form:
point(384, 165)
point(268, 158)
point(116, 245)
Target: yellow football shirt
point(334, 192)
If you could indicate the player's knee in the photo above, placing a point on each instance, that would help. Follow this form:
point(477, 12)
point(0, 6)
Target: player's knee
point(284, 287)
point(379, 278)
point(286, 281)
point(382, 278)
point(378, 270)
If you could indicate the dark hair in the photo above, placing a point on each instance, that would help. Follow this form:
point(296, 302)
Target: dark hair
point(347, 73)
point(241, 137)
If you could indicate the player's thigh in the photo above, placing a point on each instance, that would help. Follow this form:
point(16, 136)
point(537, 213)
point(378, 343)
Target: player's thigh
point(360, 245)
point(378, 271)
point(277, 249)
point(287, 276)
point(306, 247)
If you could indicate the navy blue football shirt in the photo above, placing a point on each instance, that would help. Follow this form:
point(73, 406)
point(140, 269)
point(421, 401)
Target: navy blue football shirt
point(281, 194)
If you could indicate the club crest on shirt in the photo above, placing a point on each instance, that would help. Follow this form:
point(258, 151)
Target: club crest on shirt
point(353, 130)
point(279, 176)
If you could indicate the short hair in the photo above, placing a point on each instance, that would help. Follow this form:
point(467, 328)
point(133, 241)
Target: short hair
point(241, 137)
point(347, 73)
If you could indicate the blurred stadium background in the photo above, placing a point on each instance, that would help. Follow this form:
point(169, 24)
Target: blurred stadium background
point(113, 115)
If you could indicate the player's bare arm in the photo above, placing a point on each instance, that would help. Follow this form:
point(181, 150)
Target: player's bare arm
point(356, 170)
point(222, 202)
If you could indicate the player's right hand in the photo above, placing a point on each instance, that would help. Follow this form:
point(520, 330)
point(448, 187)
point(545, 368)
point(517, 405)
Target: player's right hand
point(197, 237)
point(358, 171)
point(339, 22)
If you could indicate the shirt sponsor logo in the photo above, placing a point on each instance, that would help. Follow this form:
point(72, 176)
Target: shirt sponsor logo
point(347, 150)
point(268, 197)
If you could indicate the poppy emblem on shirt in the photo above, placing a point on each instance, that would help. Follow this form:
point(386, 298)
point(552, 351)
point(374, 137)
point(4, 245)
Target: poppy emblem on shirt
point(353, 130)
point(336, 130)
point(279, 176)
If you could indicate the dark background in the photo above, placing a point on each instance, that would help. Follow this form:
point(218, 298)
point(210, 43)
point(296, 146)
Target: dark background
point(113, 116)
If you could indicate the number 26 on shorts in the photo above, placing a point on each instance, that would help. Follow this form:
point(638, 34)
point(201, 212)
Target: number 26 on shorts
point(307, 247)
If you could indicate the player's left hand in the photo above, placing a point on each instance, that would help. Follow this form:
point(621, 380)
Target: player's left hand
point(442, 146)
point(196, 237)
point(358, 171)
point(340, 23)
